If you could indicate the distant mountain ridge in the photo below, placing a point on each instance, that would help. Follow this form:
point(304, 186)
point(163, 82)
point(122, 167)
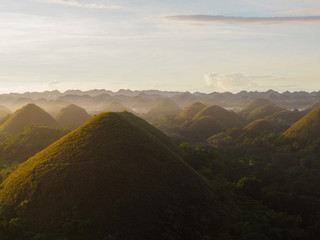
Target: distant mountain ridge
point(99, 97)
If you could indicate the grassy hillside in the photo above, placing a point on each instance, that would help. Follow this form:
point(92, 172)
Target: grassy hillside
point(190, 111)
point(258, 109)
point(227, 118)
point(72, 116)
point(26, 116)
point(306, 129)
point(26, 144)
point(164, 108)
point(116, 177)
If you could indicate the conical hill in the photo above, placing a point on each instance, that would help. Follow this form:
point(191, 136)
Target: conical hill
point(164, 108)
point(306, 129)
point(256, 103)
point(259, 109)
point(72, 116)
point(190, 111)
point(227, 118)
point(28, 115)
point(114, 177)
point(260, 125)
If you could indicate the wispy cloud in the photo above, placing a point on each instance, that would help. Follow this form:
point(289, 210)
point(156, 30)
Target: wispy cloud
point(79, 3)
point(305, 11)
point(243, 20)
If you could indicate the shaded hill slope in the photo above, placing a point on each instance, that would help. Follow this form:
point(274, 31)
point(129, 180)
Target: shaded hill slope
point(72, 116)
point(26, 116)
point(119, 187)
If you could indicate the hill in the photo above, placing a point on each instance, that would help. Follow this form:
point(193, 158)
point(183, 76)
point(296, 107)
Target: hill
point(190, 111)
point(256, 103)
point(306, 129)
point(72, 116)
point(259, 109)
point(26, 116)
point(164, 108)
point(260, 125)
point(227, 118)
point(116, 177)
point(285, 117)
point(24, 145)
point(311, 107)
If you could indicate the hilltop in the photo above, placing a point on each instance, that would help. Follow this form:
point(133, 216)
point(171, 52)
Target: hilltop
point(190, 111)
point(26, 116)
point(100, 181)
point(72, 116)
point(227, 118)
point(32, 140)
point(258, 109)
point(164, 108)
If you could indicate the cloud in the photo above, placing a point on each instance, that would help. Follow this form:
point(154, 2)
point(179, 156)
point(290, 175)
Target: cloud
point(236, 82)
point(305, 11)
point(78, 3)
point(243, 20)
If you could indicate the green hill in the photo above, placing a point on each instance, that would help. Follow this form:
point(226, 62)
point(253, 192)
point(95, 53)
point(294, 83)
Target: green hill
point(116, 177)
point(72, 116)
point(258, 109)
point(260, 125)
point(115, 106)
point(285, 117)
point(205, 127)
point(26, 116)
point(227, 118)
point(164, 108)
point(26, 144)
point(190, 111)
point(256, 103)
point(306, 129)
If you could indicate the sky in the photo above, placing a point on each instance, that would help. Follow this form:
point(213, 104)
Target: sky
point(181, 45)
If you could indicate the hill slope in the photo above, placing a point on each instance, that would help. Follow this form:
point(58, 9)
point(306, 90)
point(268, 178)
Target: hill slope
point(306, 129)
point(24, 145)
point(120, 187)
point(258, 109)
point(4, 111)
point(164, 108)
point(26, 116)
point(190, 111)
point(227, 118)
point(72, 116)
